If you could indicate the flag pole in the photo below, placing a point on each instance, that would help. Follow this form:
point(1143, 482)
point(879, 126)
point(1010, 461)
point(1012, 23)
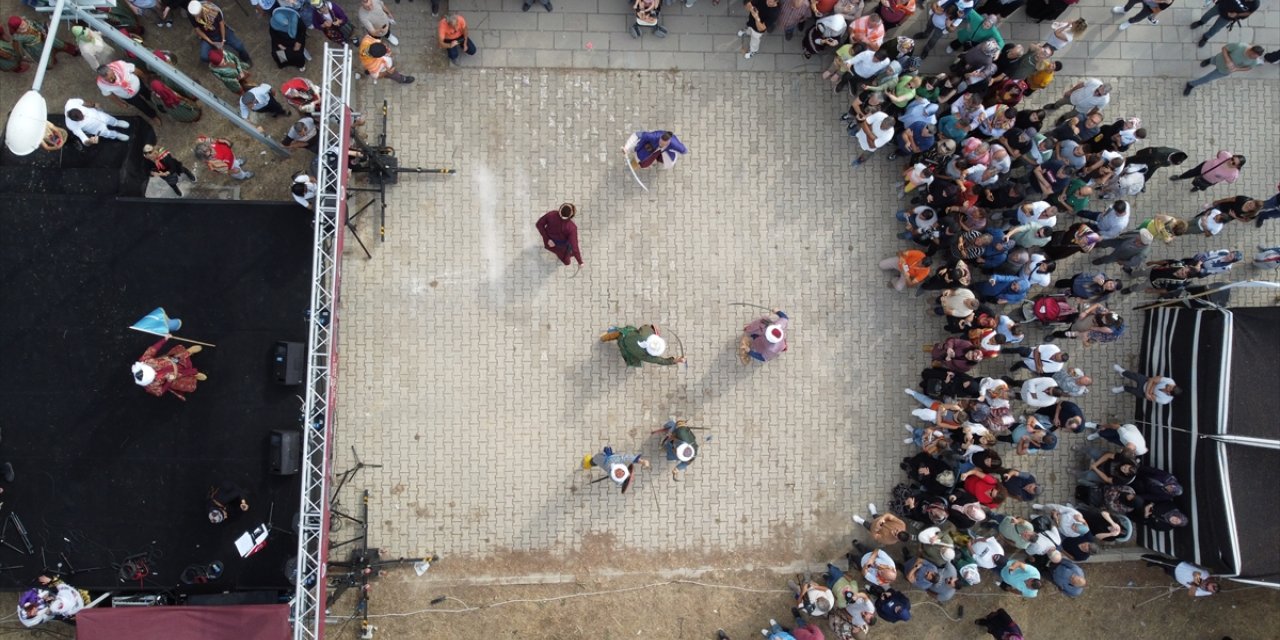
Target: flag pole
point(173, 337)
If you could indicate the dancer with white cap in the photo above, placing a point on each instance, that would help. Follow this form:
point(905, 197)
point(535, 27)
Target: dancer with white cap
point(618, 466)
point(765, 338)
point(680, 444)
point(640, 345)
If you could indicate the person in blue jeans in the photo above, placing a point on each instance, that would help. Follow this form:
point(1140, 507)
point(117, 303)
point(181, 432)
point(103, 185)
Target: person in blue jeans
point(211, 27)
point(1234, 58)
point(454, 37)
point(1223, 13)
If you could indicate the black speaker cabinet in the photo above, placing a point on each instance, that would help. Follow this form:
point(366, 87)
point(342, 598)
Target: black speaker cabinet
point(286, 452)
point(288, 363)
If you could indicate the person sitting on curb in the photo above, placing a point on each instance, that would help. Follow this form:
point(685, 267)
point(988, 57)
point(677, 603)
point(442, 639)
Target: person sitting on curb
point(647, 12)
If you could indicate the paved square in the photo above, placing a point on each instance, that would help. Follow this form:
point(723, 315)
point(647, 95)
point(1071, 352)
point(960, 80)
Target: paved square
point(470, 367)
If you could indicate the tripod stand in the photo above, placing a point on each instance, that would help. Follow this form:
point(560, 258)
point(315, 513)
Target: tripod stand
point(383, 168)
point(349, 473)
point(343, 478)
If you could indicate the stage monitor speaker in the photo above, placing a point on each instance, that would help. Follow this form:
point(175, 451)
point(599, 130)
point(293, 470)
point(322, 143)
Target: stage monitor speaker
point(288, 363)
point(286, 452)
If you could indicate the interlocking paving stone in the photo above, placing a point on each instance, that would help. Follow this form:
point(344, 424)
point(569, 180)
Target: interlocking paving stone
point(470, 368)
point(710, 30)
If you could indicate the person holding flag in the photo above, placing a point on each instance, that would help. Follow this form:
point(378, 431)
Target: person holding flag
point(640, 345)
point(173, 372)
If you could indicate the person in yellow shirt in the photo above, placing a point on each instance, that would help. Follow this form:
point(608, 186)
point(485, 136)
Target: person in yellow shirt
point(376, 58)
point(454, 38)
point(1043, 75)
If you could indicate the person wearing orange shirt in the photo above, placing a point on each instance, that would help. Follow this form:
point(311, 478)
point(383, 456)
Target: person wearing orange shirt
point(868, 30)
point(910, 267)
point(377, 61)
point(454, 38)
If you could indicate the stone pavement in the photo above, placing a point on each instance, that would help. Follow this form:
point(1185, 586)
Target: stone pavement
point(469, 364)
point(593, 34)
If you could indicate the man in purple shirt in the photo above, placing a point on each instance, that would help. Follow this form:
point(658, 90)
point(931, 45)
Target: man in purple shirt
point(649, 146)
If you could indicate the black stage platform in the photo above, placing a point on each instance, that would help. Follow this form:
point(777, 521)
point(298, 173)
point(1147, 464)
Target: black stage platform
point(104, 470)
point(108, 168)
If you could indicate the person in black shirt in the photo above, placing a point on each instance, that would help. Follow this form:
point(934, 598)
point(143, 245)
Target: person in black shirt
point(166, 167)
point(1223, 13)
point(762, 16)
point(1154, 158)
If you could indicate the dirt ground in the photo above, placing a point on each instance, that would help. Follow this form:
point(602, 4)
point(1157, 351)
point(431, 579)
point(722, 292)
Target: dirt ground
point(1127, 598)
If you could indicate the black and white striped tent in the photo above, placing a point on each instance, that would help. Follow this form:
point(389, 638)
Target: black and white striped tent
point(1220, 437)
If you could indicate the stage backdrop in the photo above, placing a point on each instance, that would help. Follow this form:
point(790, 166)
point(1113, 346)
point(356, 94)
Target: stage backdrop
point(237, 622)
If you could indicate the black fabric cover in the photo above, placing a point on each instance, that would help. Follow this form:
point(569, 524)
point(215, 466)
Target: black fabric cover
point(1228, 362)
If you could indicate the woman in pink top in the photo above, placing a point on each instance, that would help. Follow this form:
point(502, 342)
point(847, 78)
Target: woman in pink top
point(1224, 167)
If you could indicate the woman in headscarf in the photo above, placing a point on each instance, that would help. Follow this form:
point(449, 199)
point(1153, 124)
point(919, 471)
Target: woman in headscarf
point(229, 69)
point(288, 38)
point(332, 21)
point(93, 49)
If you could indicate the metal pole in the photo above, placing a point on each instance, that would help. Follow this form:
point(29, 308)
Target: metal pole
point(48, 46)
point(180, 79)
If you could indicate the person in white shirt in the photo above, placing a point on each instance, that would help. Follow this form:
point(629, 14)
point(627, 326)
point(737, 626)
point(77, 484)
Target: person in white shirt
point(1124, 435)
point(878, 568)
point(872, 133)
point(303, 189)
point(1157, 389)
point(119, 80)
point(1085, 96)
point(1217, 261)
point(89, 123)
point(1112, 222)
point(1009, 330)
point(1040, 392)
point(944, 17)
point(1198, 581)
point(1039, 213)
point(1044, 359)
point(867, 64)
point(986, 552)
point(261, 99)
point(1068, 520)
point(1211, 221)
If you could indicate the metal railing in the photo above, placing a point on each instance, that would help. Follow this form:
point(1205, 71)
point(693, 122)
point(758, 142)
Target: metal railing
point(322, 347)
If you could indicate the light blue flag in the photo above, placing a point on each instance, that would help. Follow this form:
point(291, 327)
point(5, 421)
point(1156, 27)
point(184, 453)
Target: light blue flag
point(157, 323)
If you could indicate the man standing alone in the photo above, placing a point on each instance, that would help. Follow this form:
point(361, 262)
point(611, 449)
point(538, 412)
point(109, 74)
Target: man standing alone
point(560, 233)
point(1234, 58)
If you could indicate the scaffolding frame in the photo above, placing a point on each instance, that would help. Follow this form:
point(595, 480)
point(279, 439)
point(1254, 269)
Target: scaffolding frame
point(334, 118)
